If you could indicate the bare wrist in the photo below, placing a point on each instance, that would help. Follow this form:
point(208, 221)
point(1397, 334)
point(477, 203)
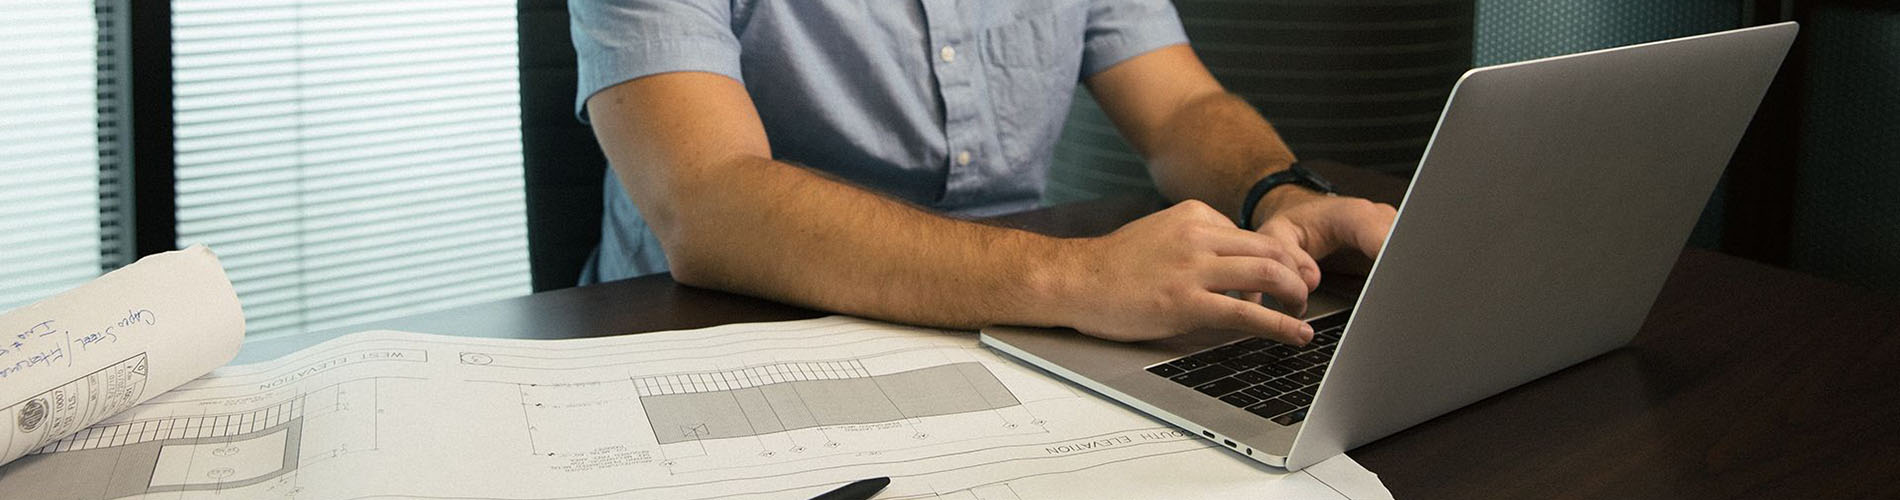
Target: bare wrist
point(1050, 270)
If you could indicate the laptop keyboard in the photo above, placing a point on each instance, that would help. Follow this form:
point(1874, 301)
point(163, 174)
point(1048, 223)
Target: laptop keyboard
point(1269, 379)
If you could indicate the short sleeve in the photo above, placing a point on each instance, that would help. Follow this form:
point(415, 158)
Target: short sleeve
point(1122, 29)
point(620, 40)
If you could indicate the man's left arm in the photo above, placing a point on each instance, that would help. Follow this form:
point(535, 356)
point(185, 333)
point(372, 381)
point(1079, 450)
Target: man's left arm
point(1204, 143)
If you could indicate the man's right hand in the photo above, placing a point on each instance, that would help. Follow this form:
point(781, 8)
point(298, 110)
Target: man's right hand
point(1168, 274)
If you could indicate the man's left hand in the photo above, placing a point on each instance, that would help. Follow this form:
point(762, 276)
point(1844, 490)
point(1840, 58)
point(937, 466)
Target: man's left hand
point(1324, 225)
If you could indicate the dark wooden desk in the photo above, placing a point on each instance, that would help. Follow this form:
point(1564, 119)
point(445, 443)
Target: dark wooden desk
point(1745, 382)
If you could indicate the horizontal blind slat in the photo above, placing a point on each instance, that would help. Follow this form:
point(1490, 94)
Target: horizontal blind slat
point(475, 291)
point(458, 151)
point(292, 219)
point(272, 278)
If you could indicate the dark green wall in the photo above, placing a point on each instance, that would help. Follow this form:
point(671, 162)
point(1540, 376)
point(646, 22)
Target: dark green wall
point(1517, 30)
point(1847, 192)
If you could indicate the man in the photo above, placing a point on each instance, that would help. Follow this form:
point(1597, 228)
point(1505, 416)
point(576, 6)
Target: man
point(821, 152)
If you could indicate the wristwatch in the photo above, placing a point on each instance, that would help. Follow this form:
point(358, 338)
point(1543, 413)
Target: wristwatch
point(1295, 174)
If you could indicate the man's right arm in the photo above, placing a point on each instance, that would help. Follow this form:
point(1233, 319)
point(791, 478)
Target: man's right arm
point(692, 154)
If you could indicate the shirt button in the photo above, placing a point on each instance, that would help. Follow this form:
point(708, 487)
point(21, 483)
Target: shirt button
point(963, 157)
point(949, 54)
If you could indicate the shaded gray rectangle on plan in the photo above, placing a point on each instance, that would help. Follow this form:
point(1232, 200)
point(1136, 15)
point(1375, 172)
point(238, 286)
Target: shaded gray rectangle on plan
point(926, 392)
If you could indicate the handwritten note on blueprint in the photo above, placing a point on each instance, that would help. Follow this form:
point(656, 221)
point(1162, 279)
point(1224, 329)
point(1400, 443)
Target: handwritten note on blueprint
point(770, 410)
point(84, 355)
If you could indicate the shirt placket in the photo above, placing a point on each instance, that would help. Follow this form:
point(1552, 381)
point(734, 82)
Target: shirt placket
point(954, 61)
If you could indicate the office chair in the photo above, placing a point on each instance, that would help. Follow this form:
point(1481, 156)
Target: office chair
point(563, 162)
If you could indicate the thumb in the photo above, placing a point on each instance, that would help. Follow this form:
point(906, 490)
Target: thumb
point(1370, 226)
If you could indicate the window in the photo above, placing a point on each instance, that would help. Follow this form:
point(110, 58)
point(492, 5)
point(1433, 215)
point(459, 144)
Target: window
point(351, 160)
point(51, 144)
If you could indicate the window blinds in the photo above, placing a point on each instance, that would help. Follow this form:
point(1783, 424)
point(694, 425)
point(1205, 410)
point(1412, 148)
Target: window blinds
point(351, 160)
point(49, 148)
point(115, 134)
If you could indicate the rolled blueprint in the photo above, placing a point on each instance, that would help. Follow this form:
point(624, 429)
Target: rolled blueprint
point(76, 358)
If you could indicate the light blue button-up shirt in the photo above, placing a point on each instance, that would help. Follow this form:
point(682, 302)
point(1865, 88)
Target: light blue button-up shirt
point(953, 105)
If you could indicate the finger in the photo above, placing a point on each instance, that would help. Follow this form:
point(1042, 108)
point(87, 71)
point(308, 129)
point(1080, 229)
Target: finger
point(1371, 229)
point(1255, 274)
point(1228, 313)
point(1301, 259)
point(1254, 244)
point(1236, 241)
point(1296, 260)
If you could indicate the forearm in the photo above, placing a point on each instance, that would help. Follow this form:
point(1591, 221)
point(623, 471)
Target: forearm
point(760, 227)
point(693, 156)
point(1212, 148)
point(782, 232)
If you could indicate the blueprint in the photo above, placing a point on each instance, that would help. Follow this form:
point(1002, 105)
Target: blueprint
point(82, 356)
point(766, 410)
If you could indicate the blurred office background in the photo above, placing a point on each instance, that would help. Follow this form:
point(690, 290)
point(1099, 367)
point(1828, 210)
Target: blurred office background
point(353, 160)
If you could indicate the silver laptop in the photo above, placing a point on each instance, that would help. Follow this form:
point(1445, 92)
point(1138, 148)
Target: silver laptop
point(1552, 201)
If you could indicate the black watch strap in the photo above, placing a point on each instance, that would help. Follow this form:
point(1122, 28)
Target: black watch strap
point(1295, 174)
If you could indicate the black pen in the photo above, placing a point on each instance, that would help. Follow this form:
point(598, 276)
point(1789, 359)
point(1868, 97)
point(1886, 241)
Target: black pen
point(860, 490)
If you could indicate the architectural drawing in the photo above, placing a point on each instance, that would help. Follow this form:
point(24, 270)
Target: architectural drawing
point(62, 410)
point(775, 410)
point(99, 350)
point(227, 451)
point(213, 452)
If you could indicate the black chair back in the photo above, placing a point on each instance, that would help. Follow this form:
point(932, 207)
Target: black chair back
point(563, 162)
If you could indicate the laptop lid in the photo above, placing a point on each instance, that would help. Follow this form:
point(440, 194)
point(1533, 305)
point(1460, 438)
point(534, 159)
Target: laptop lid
point(1550, 205)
